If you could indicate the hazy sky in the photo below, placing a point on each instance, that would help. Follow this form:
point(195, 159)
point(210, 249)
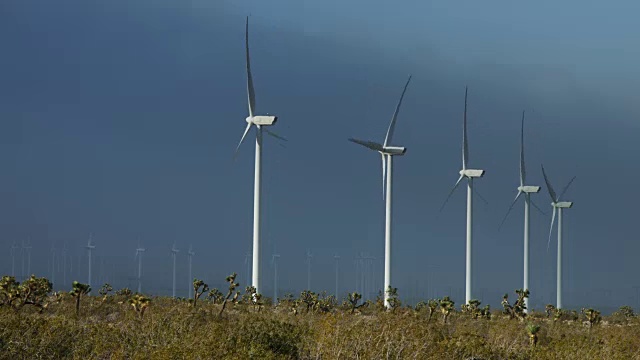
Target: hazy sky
point(120, 118)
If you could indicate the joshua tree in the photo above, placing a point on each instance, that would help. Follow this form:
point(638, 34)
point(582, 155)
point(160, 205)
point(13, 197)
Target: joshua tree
point(9, 290)
point(309, 298)
point(549, 309)
point(140, 303)
point(34, 291)
point(199, 288)
point(446, 307)
point(593, 316)
point(393, 300)
point(352, 301)
point(532, 330)
point(126, 292)
point(626, 311)
point(472, 308)
point(433, 306)
point(232, 287)
point(78, 291)
point(104, 291)
point(326, 303)
point(519, 307)
point(215, 296)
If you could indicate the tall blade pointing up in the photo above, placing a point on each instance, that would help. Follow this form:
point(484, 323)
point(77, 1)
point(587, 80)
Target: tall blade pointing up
point(553, 220)
point(566, 188)
point(250, 92)
point(509, 211)
point(384, 175)
point(552, 193)
point(465, 145)
point(523, 173)
point(246, 130)
point(392, 125)
point(451, 192)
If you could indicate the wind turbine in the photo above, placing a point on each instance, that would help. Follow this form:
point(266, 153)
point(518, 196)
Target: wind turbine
point(337, 259)
point(174, 252)
point(139, 251)
point(274, 262)
point(527, 190)
point(470, 174)
point(14, 247)
point(27, 247)
point(387, 152)
point(64, 264)
point(557, 207)
point(90, 248)
point(190, 254)
point(261, 122)
point(309, 257)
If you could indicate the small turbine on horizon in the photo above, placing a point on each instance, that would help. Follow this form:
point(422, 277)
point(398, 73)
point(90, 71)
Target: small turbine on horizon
point(174, 252)
point(470, 174)
point(14, 247)
point(139, 251)
point(557, 207)
point(527, 190)
point(261, 122)
point(90, 248)
point(309, 257)
point(274, 263)
point(337, 259)
point(387, 152)
point(190, 255)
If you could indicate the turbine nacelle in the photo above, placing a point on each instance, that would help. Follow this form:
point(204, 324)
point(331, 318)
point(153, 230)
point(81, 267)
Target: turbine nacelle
point(529, 189)
point(393, 150)
point(262, 120)
point(562, 204)
point(471, 173)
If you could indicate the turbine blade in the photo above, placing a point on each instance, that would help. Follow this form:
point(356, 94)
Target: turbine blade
point(465, 145)
point(480, 196)
point(510, 208)
point(368, 144)
point(392, 125)
point(250, 92)
point(384, 175)
point(275, 135)
point(553, 220)
point(523, 173)
point(246, 130)
point(552, 193)
point(566, 188)
point(538, 208)
point(451, 192)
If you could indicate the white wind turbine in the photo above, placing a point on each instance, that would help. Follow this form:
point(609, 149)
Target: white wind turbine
point(274, 262)
point(90, 248)
point(261, 122)
point(190, 255)
point(139, 251)
point(387, 152)
point(174, 252)
point(337, 259)
point(309, 257)
point(527, 190)
point(557, 207)
point(470, 174)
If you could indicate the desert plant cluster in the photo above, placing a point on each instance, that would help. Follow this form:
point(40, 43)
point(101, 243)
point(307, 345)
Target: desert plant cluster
point(36, 323)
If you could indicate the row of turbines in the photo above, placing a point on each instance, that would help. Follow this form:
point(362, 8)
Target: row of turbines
point(387, 152)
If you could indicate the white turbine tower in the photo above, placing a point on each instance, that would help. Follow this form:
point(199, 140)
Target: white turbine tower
point(309, 257)
point(387, 152)
point(139, 251)
point(470, 174)
point(557, 207)
point(90, 248)
point(174, 252)
point(274, 262)
point(337, 259)
point(190, 255)
point(261, 122)
point(527, 190)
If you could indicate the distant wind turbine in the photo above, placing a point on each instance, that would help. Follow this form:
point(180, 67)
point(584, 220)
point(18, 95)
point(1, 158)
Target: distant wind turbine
point(64, 264)
point(90, 248)
point(139, 251)
point(174, 252)
point(53, 264)
point(261, 122)
point(27, 249)
point(527, 190)
point(309, 257)
point(470, 174)
point(274, 262)
point(337, 259)
point(387, 152)
point(14, 247)
point(190, 255)
point(557, 207)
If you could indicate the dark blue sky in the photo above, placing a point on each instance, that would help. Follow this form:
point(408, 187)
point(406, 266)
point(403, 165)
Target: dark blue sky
point(120, 118)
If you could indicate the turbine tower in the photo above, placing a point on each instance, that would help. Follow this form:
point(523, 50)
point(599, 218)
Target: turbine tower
point(261, 122)
point(14, 247)
point(190, 254)
point(337, 259)
point(274, 262)
point(309, 257)
point(139, 251)
point(527, 190)
point(90, 248)
point(64, 264)
point(387, 152)
point(27, 249)
point(557, 207)
point(470, 174)
point(174, 252)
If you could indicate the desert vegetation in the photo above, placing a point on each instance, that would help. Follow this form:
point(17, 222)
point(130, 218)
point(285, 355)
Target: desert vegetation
point(36, 323)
